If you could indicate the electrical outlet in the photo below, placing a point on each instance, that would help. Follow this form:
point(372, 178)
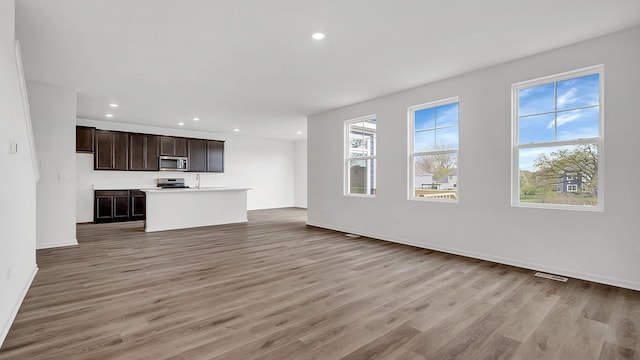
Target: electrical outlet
point(8, 273)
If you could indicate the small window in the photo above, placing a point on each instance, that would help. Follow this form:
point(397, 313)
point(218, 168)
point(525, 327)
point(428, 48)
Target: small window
point(434, 150)
point(360, 156)
point(557, 141)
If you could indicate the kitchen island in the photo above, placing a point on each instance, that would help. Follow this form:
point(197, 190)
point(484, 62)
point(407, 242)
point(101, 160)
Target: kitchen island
point(168, 209)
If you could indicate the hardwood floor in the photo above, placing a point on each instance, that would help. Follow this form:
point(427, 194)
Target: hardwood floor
point(277, 289)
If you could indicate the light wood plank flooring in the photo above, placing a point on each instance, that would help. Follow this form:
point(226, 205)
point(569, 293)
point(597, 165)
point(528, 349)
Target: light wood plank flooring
point(277, 289)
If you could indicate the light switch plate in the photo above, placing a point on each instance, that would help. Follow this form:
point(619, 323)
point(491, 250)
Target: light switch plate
point(13, 147)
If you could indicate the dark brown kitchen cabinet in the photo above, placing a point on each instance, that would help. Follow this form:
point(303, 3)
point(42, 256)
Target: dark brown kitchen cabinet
point(138, 204)
point(143, 152)
point(173, 146)
point(85, 139)
point(197, 155)
point(116, 150)
point(206, 155)
point(112, 205)
point(119, 205)
point(215, 156)
point(111, 150)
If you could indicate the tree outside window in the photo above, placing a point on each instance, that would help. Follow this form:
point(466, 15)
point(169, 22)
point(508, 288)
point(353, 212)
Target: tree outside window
point(434, 150)
point(557, 141)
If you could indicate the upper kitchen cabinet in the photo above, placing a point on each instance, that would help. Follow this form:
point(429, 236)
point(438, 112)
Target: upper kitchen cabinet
point(143, 152)
point(116, 150)
point(197, 151)
point(215, 156)
point(173, 146)
point(111, 150)
point(85, 139)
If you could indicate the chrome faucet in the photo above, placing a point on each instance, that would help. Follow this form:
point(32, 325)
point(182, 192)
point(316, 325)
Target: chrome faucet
point(197, 181)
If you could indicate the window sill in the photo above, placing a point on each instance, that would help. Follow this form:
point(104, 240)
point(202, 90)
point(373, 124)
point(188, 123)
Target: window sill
point(359, 195)
point(587, 208)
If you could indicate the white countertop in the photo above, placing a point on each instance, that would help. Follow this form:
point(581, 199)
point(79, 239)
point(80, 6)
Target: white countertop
point(123, 187)
point(159, 190)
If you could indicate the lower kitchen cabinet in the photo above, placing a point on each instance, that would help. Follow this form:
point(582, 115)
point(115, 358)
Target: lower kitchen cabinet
point(118, 205)
point(138, 204)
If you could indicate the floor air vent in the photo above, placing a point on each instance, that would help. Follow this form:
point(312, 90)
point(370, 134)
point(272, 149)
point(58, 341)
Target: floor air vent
point(552, 277)
point(354, 236)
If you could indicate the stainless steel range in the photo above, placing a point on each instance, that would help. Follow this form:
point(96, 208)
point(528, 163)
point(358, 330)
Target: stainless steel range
point(171, 183)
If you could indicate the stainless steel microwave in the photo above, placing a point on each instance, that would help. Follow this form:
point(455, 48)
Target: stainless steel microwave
point(173, 163)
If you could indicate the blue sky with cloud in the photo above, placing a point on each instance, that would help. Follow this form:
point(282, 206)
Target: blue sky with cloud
point(436, 128)
point(567, 111)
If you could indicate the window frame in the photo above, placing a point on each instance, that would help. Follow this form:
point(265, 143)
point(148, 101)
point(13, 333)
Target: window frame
point(598, 141)
point(347, 158)
point(412, 155)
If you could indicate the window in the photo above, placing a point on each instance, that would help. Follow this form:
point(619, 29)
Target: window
point(557, 140)
point(434, 150)
point(360, 156)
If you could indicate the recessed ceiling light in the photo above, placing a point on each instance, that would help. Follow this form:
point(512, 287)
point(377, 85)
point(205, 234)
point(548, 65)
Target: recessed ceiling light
point(299, 132)
point(236, 129)
point(108, 115)
point(196, 119)
point(317, 36)
point(113, 105)
point(181, 123)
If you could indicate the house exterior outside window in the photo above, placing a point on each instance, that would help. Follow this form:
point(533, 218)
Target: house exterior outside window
point(433, 150)
point(360, 156)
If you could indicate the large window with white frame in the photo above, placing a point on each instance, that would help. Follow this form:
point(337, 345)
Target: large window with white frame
point(557, 141)
point(360, 156)
point(433, 148)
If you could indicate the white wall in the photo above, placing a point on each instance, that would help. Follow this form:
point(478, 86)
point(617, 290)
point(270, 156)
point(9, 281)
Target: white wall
point(53, 113)
point(599, 246)
point(264, 165)
point(18, 193)
point(300, 167)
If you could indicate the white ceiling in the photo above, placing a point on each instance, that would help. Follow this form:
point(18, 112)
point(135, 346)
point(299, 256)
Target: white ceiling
point(252, 65)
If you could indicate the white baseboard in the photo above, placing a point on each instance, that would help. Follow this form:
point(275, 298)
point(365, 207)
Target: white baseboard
point(16, 307)
point(521, 264)
point(55, 245)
